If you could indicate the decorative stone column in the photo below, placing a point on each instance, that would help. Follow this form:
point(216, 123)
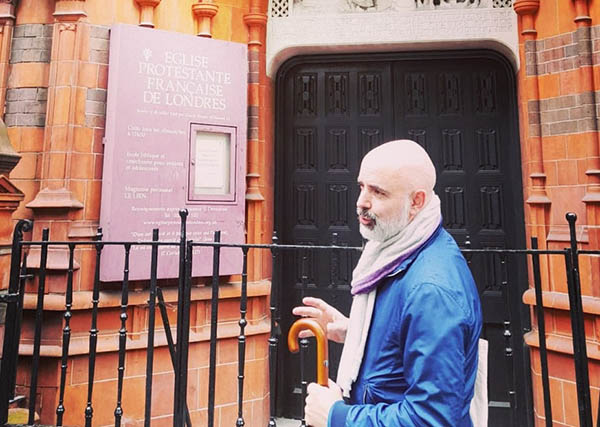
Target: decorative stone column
point(256, 21)
point(7, 22)
point(55, 202)
point(538, 200)
point(587, 93)
point(204, 11)
point(147, 12)
point(10, 197)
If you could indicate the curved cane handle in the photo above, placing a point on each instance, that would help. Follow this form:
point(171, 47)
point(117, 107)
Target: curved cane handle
point(322, 358)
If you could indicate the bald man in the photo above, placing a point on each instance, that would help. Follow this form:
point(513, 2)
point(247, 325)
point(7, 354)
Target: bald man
point(411, 342)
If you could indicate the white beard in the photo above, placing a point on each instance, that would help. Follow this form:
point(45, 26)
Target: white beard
point(383, 230)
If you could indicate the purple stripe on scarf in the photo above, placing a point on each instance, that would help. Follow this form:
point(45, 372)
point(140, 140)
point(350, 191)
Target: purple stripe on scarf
point(370, 282)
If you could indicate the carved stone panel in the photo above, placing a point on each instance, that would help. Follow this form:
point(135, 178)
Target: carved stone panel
point(485, 92)
point(452, 143)
point(306, 148)
point(305, 201)
point(369, 138)
point(491, 207)
point(369, 93)
point(487, 144)
point(416, 101)
point(305, 94)
point(337, 93)
point(454, 209)
point(419, 136)
point(338, 205)
point(337, 149)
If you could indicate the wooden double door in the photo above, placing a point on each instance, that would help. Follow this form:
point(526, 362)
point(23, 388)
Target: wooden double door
point(461, 107)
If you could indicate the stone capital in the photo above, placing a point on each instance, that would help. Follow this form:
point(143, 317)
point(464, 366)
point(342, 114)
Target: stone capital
point(526, 7)
point(205, 10)
point(255, 19)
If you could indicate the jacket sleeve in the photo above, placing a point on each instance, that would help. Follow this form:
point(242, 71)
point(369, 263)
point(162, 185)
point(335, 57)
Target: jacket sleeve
point(432, 331)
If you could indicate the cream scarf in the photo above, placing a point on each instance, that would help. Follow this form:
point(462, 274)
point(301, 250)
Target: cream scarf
point(378, 260)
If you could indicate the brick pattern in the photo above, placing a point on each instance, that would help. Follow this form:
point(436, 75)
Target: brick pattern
point(26, 107)
point(99, 40)
point(95, 108)
point(563, 52)
point(31, 43)
point(564, 114)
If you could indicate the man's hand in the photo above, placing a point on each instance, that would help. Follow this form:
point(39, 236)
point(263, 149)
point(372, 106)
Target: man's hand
point(319, 401)
point(334, 323)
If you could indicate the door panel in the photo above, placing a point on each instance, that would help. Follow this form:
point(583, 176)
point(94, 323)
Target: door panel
point(332, 110)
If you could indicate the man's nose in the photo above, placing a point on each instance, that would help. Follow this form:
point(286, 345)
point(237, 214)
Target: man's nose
point(363, 201)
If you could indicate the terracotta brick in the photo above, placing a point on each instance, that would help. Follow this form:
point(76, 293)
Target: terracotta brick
point(82, 139)
point(29, 75)
point(554, 148)
point(224, 393)
point(61, 107)
point(569, 82)
point(32, 139)
point(88, 75)
point(551, 173)
point(567, 172)
point(92, 201)
point(27, 167)
point(549, 86)
point(98, 165)
point(82, 165)
point(102, 76)
point(581, 169)
point(79, 107)
point(58, 138)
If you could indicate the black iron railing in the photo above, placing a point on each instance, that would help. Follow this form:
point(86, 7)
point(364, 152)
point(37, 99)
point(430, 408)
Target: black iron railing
point(178, 349)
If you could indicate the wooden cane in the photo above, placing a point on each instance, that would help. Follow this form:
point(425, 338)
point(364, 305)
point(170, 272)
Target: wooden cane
point(322, 358)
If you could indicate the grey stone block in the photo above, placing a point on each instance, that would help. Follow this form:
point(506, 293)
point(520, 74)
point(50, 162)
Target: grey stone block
point(530, 70)
point(571, 50)
point(96, 95)
point(31, 55)
point(98, 44)
point(561, 128)
point(34, 30)
point(19, 31)
point(586, 98)
point(534, 130)
point(34, 120)
point(94, 107)
point(21, 43)
point(35, 107)
point(99, 56)
point(586, 125)
point(42, 94)
point(45, 56)
point(16, 56)
point(99, 32)
point(27, 93)
point(533, 106)
point(42, 43)
point(48, 30)
point(567, 101)
point(530, 46)
point(10, 119)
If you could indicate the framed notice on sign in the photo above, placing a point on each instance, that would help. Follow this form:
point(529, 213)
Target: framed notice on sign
point(212, 163)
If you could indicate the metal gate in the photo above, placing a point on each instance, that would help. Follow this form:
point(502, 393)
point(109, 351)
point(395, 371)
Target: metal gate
point(20, 275)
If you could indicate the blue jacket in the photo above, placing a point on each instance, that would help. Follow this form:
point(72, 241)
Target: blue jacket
point(420, 359)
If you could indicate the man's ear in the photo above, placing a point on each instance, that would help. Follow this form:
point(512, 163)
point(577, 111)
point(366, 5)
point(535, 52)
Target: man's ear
point(418, 200)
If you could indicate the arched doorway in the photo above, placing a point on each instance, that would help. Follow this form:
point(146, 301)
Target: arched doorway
point(461, 107)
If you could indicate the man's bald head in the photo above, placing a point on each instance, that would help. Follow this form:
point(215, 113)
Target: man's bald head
point(407, 161)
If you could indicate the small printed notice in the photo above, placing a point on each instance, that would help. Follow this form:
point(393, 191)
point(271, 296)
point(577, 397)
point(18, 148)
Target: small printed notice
point(211, 164)
point(175, 139)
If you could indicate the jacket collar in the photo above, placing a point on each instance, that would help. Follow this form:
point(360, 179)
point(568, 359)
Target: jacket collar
point(408, 261)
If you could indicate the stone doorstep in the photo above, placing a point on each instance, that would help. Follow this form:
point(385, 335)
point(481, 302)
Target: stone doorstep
point(287, 422)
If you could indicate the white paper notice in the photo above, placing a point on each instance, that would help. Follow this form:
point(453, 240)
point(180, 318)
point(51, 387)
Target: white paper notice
point(212, 163)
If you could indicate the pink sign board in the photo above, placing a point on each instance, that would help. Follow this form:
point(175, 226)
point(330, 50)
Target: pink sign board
point(175, 138)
